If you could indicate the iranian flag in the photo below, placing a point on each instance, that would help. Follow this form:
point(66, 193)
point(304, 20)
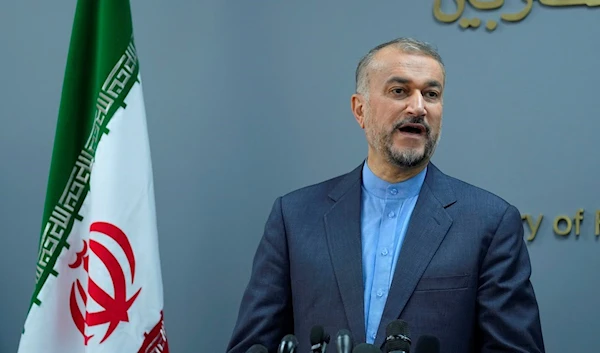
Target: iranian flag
point(98, 274)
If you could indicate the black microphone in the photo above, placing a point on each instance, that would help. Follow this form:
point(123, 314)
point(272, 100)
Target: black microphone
point(428, 344)
point(366, 348)
point(343, 341)
point(397, 340)
point(288, 344)
point(257, 348)
point(319, 339)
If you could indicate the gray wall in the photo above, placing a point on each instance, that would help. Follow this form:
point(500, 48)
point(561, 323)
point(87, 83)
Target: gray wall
point(248, 100)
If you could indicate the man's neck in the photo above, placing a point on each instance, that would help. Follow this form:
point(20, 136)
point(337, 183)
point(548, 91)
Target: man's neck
point(392, 173)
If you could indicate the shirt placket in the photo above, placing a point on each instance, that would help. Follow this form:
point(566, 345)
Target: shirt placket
point(384, 259)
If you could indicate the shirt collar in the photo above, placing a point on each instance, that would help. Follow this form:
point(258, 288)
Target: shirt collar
point(383, 189)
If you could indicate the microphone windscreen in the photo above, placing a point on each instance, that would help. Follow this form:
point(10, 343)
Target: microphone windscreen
point(397, 327)
point(397, 337)
point(366, 348)
point(317, 335)
point(290, 338)
point(428, 344)
point(343, 340)
point(343, 332)
point(288, 344)
point(257, 348)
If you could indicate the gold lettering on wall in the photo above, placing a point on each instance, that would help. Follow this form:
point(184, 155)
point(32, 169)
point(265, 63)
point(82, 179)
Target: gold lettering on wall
point(488, 5)
point(533, 227)
point(562, 225)
point(558, 220)
point(578, 220)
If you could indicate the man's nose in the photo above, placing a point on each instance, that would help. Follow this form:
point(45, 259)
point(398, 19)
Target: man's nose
point(416, 104)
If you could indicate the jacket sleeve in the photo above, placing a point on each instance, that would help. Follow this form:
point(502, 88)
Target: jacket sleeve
point(507, 309)
point(265, 313)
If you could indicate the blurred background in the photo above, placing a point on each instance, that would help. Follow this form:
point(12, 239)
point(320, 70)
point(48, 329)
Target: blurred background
point(248, 100)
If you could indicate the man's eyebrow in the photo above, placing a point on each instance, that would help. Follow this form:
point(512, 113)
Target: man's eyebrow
point(403, 80)
point(397, 79)
point(434, 83)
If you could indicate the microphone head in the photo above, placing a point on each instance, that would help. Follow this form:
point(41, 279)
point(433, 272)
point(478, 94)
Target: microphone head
point(318, 339)
point(397, 339)
point(343, 340)
point(428, 344)
point(288, 344)
point(366, 348)
point(257, 348)
point(397, 327)
point(317, 335)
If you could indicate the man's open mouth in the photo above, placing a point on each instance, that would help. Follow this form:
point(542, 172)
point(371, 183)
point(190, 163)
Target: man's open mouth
point(416, 129)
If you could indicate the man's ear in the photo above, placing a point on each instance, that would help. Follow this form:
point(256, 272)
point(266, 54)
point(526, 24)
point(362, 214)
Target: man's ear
point(357, 104)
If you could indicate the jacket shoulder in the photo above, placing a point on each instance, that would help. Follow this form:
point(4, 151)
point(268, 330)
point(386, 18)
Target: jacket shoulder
point(313, 192)
point(480, 200)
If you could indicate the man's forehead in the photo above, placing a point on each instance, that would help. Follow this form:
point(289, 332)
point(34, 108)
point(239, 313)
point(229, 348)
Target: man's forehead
point(392, 54)
point(390, 62)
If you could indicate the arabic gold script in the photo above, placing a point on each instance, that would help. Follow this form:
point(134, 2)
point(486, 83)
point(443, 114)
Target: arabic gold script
point(488, 5)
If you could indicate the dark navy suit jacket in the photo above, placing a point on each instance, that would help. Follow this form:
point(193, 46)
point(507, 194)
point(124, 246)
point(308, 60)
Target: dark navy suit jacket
point(463, 273)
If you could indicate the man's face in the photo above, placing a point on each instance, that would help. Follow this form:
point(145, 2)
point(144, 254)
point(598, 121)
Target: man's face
point(402, 115)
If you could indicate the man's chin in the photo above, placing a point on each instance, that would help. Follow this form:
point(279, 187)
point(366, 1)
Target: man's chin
point(408, 159)
point(409, 153)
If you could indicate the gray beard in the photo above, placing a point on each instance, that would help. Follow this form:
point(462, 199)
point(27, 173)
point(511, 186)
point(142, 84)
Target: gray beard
point(410, 158)
point(407, 158)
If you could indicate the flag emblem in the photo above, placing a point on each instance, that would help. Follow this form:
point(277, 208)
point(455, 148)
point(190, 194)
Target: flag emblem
point(114, 308)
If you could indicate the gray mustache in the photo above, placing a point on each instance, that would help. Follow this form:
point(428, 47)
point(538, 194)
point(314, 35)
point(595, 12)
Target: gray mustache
point(414, 120)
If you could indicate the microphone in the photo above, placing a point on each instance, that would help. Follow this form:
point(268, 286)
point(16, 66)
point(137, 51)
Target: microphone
point(318, 339)
point(288, 344)
point(343, 341)
point(397, 340)
point(257, 348)
point(428, 344)
point(366, 348)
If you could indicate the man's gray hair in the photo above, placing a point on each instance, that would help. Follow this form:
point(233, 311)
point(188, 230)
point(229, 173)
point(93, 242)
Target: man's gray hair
point(405, 45)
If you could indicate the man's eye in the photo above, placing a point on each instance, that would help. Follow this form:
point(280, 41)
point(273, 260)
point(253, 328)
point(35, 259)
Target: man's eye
point(398, 90)
point(432, 94)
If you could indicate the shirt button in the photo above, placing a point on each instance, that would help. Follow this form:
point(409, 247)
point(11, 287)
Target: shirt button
point(373, 336)
point(380, 293)
point(391, 214)
point(384, 252)
point(393, 191)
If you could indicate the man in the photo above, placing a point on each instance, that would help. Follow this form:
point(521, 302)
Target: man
point(395, 238)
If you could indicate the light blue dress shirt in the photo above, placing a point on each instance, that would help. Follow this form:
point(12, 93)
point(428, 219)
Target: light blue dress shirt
point(385, 213)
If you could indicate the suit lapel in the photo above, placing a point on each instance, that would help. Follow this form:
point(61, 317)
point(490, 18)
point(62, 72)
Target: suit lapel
point(428, 226)
point(342, 224)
